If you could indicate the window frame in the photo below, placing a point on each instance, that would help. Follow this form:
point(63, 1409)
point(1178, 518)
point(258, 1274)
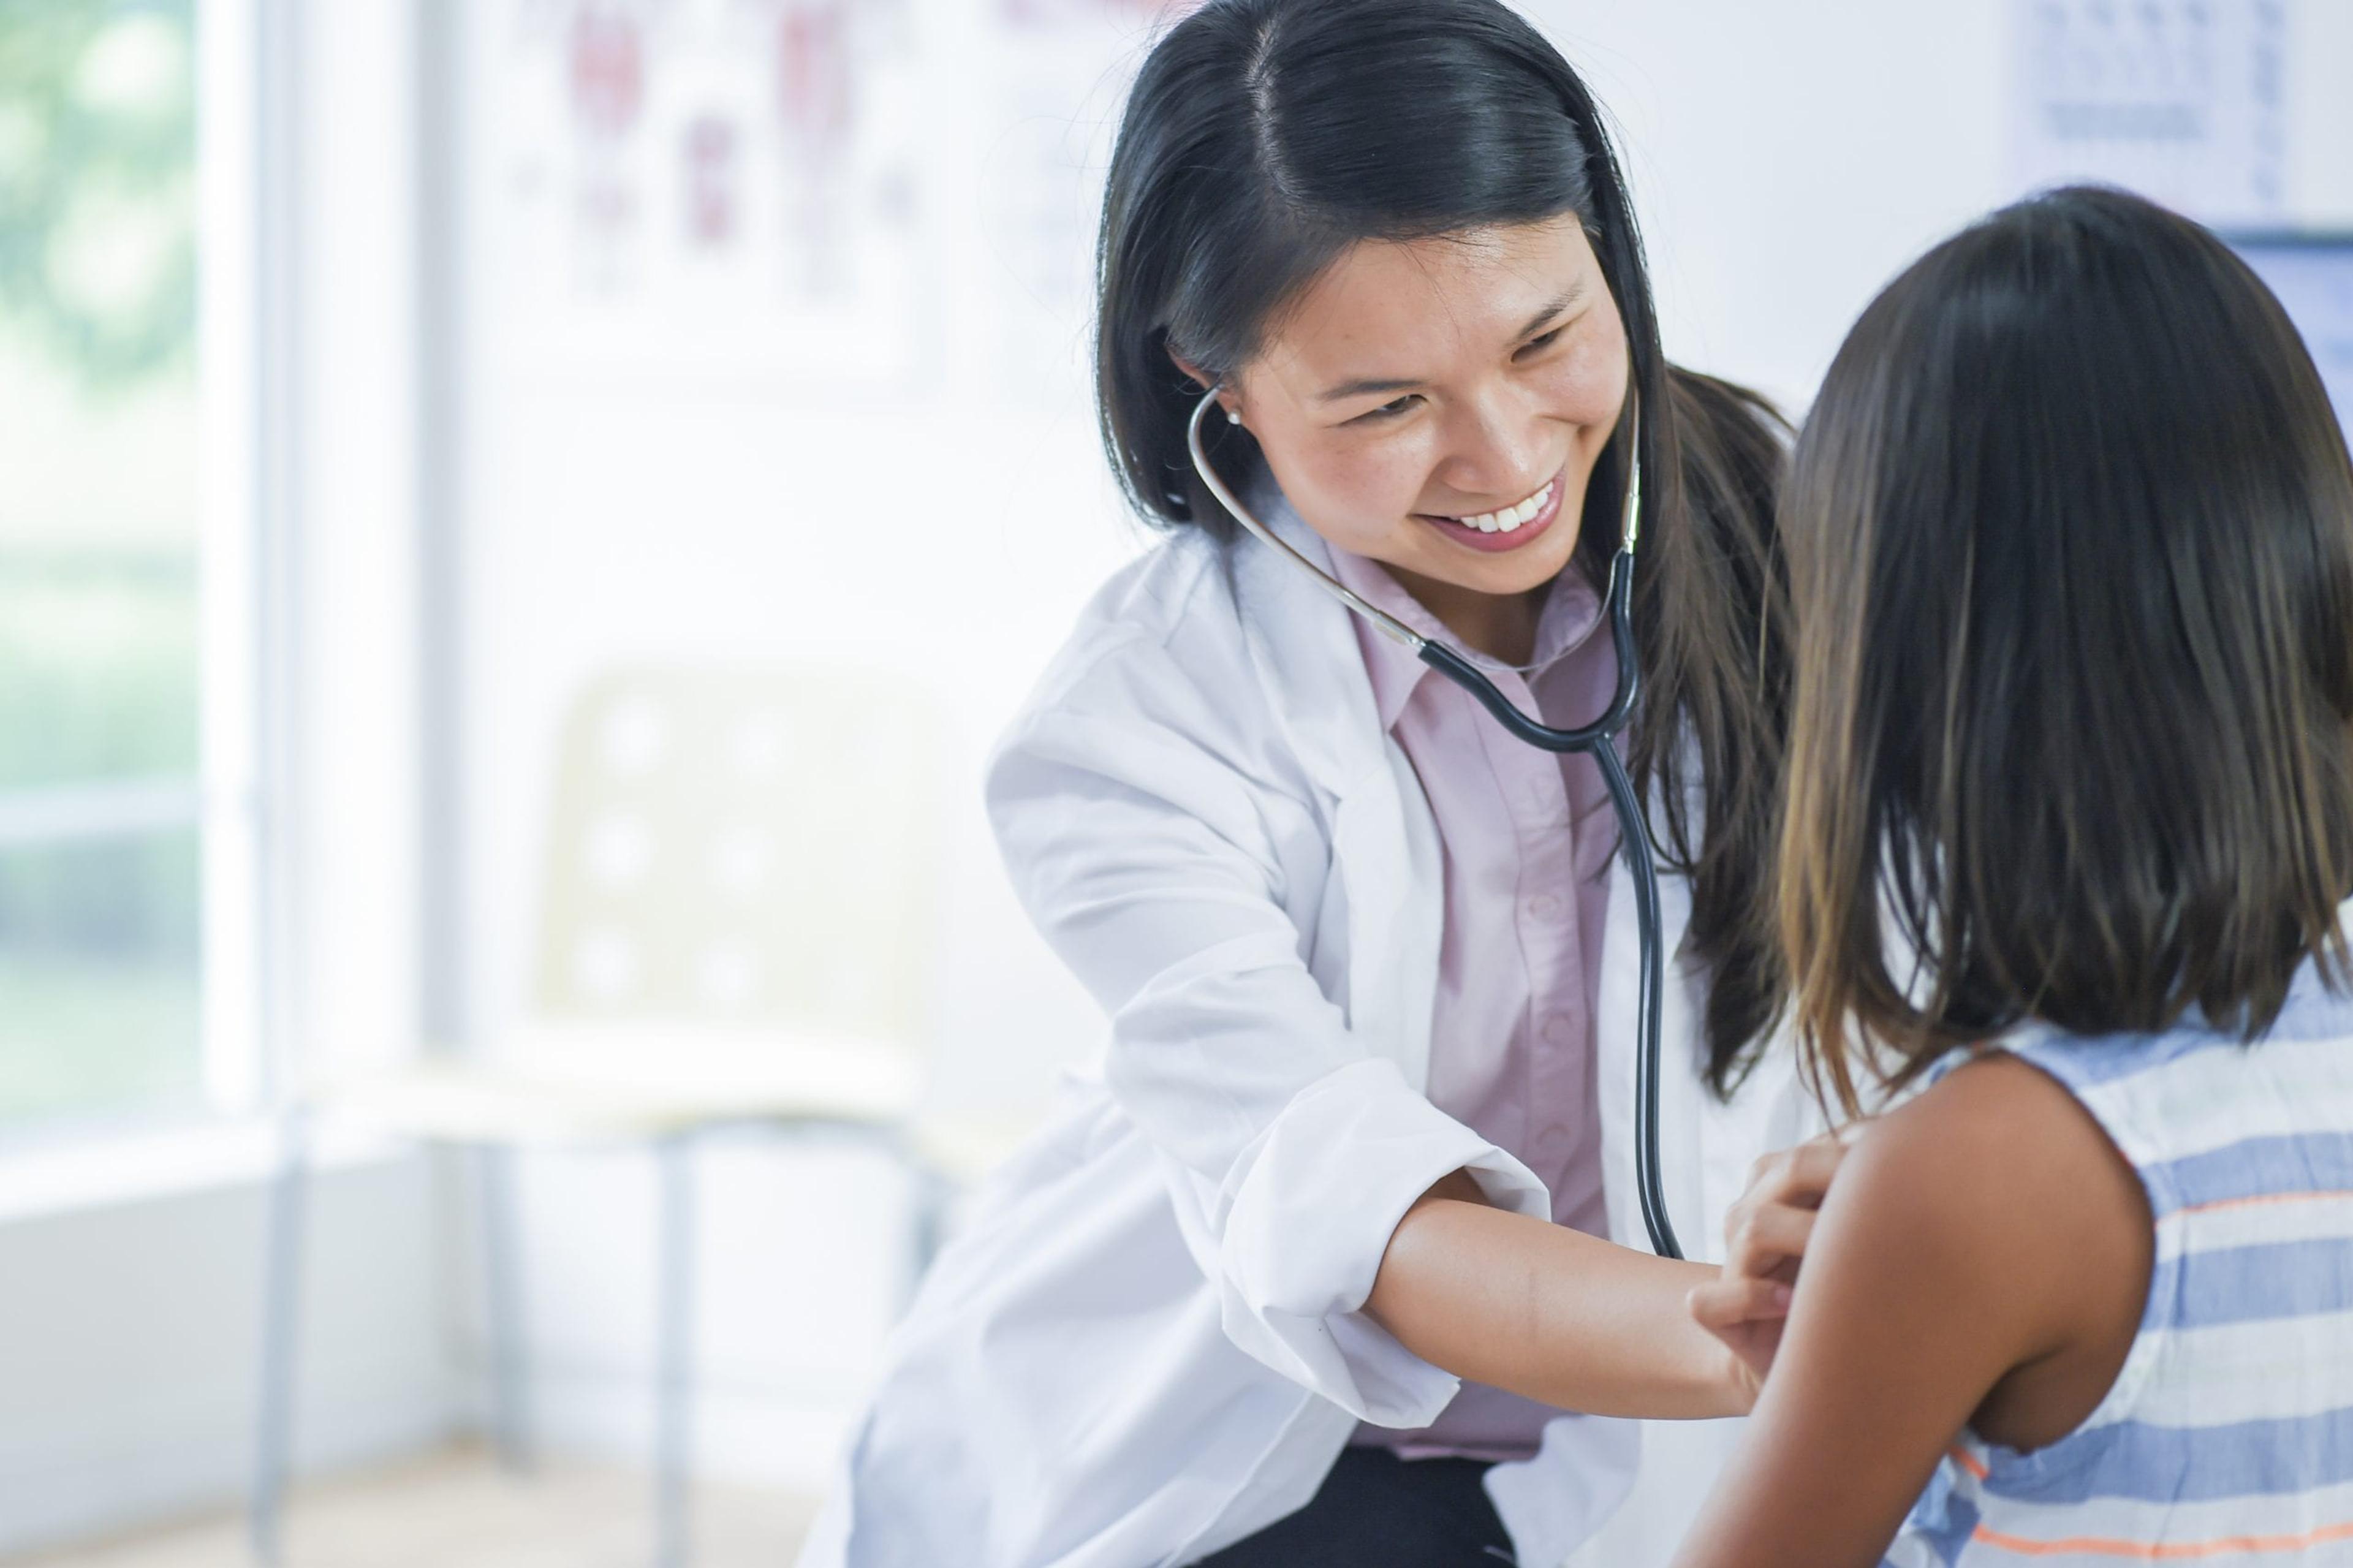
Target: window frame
point(237, 410)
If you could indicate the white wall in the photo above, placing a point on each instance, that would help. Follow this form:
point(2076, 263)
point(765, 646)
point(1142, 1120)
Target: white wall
point(1786, 160)
point(128, 1336)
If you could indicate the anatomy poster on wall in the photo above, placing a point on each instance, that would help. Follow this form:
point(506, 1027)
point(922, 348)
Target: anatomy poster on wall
point(704, 185)
point(2183, 100)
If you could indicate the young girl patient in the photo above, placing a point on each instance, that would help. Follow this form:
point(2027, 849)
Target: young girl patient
point(2069, 819)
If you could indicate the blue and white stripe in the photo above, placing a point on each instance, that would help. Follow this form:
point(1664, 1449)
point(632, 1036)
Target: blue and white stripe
point(2228, 1437)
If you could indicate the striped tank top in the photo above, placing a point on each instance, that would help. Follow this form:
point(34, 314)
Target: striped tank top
point(2228, 1437)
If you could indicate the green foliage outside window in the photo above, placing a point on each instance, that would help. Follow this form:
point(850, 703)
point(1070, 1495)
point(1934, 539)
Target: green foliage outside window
point(98, 576)
point(97, 183)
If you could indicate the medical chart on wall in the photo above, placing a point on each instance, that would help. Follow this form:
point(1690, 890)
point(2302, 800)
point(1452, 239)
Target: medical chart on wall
point(2184, 100)
point(704, 185)
point(842, 194)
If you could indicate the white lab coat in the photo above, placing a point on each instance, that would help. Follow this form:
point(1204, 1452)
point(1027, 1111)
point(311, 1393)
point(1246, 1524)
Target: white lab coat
point(1149, 1342)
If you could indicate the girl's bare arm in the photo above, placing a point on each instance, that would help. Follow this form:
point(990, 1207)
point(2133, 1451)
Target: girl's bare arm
point(1986, 1229)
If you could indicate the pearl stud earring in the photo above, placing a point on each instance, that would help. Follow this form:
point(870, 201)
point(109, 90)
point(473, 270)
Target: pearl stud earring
point(1233, 415)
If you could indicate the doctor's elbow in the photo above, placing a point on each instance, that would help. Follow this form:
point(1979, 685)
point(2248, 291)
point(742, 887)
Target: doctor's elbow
point(1418, 1293)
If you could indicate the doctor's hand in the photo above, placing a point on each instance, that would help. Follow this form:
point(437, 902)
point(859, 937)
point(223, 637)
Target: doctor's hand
point(1765, 1237)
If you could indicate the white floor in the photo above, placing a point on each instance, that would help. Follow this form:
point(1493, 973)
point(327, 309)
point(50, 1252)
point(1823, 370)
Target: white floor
point(457, 1510)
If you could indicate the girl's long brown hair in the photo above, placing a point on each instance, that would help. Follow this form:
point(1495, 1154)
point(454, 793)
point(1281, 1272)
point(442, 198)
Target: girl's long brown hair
point(2070, 532)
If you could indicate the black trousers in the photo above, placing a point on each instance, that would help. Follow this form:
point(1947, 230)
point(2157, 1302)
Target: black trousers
point(1377, 1510)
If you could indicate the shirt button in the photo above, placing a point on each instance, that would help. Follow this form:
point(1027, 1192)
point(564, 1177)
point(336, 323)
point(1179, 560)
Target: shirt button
point(1544, 906)
point(1558, 1030)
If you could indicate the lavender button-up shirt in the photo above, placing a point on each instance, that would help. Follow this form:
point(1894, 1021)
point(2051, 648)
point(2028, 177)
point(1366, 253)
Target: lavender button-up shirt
point(1527, 839)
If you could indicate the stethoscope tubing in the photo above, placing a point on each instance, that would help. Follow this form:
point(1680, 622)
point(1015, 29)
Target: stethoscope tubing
point(1595, 739)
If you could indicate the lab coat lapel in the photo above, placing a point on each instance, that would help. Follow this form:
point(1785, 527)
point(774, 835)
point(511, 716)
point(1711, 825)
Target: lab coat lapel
point(1303, 650)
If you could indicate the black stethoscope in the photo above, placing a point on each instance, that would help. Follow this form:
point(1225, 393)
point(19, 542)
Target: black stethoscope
point(1595, 739)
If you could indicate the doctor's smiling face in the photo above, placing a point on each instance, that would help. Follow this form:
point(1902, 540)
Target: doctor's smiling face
point(1438, 405)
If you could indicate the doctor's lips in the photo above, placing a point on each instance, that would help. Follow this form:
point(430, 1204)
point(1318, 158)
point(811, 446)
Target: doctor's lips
point(1506, 527)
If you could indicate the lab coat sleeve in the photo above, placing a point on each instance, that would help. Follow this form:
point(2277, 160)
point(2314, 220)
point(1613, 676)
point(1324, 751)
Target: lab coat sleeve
point(1157, 870)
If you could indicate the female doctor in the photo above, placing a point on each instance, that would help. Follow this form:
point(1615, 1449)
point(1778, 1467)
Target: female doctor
point(1319, 1270)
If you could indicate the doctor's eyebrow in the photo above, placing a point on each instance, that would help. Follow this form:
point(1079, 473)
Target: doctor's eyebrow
point(1363, 386)
point(1559, 306)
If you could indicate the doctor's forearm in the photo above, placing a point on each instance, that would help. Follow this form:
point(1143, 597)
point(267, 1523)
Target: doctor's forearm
point(1561, 1317)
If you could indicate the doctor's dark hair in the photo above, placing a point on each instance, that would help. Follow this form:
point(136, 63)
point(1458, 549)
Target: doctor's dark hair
point(2071, 527)
point(1262, 139)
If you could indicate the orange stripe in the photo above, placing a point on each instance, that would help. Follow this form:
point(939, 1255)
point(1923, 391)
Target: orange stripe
point(1968, 1462)
point(2263, 1199)
point(2158, 1552)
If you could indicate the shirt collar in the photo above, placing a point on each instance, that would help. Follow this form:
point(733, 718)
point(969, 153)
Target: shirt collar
point(1572, 611)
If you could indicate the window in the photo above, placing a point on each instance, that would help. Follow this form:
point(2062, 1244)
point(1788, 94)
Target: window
point(103, 798)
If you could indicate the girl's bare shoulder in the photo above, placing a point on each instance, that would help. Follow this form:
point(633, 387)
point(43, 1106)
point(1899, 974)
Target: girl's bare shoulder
point(2003, 1186)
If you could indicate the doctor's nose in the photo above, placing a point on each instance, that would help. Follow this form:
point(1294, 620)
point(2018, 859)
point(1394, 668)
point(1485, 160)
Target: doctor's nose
point(1499, 451)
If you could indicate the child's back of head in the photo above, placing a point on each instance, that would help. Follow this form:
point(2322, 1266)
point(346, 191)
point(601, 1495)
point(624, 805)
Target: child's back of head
point(2071, 530)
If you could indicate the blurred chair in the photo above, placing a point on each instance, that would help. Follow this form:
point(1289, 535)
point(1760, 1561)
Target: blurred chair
point(736, 928)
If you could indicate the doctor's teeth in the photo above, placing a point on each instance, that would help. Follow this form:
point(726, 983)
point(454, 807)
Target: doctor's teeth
point(1509, 518)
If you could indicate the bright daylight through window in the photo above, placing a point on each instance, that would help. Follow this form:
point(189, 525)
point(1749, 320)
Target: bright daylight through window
point(99, 805)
